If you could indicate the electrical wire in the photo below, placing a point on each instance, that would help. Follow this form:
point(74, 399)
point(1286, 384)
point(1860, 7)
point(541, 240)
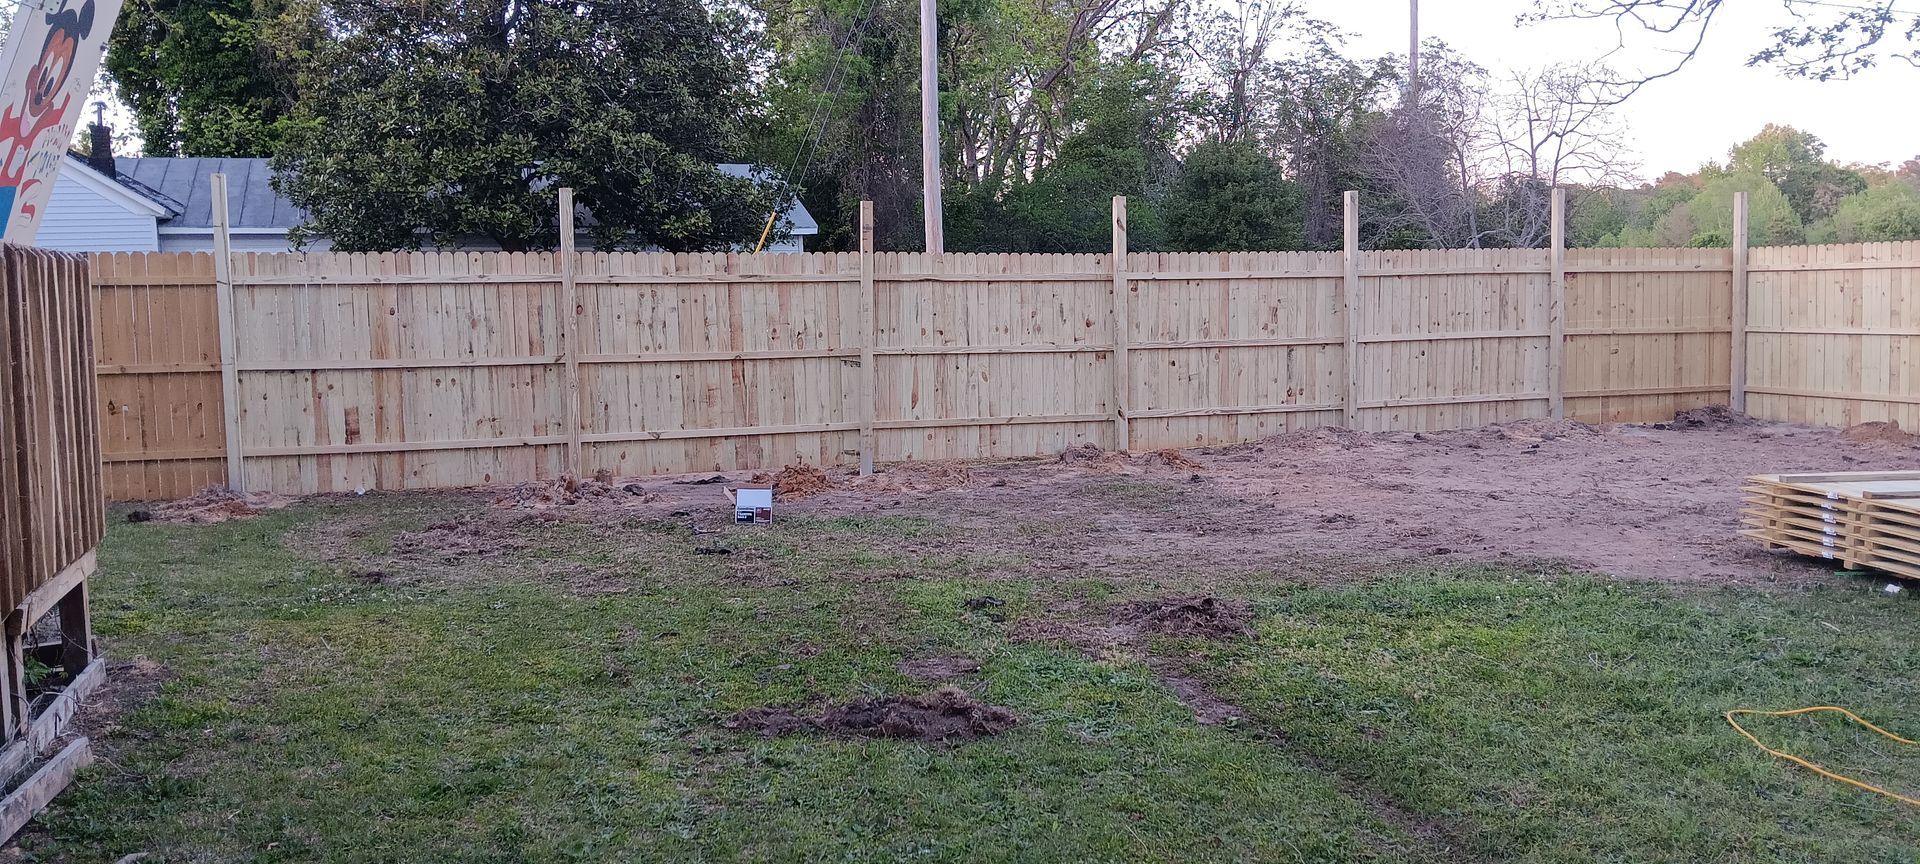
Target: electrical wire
point(1830, 775)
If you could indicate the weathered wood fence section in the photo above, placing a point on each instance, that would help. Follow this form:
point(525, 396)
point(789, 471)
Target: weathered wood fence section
point(52, 514)
point(419, 370)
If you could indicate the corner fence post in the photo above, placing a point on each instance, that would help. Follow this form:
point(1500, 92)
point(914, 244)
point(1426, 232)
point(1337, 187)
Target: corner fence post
point(1349, 292)
point(1556, 310)
point(229, 335)
point(1737, 383)
point(569, 321)
point(1122, 327)
point(867, 372)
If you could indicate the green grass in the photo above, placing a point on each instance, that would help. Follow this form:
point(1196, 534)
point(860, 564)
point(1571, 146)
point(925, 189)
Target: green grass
point(509, 714)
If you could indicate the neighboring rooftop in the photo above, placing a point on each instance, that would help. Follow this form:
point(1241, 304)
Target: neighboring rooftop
point(185, 184)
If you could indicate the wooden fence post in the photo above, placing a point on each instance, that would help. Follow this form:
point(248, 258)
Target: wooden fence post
point(229, 335)
point(1350, 289)
point(867, 372)
point(1122, 328)
point(569, 320)
point(1556, 310)
point(1737, 386)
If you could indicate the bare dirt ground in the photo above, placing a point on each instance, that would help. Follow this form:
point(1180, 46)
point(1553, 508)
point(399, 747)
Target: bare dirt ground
point(1656, 501)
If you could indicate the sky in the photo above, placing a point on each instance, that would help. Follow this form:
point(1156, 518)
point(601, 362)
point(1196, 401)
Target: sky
point(1680, 122)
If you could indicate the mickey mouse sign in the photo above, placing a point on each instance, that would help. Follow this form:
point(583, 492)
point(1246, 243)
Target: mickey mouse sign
point(49, 62)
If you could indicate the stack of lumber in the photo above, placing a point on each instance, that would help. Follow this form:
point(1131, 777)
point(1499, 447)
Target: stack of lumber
point(1860, 519)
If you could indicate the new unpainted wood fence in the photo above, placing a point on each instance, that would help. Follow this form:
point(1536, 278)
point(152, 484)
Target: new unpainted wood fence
point(326, 372)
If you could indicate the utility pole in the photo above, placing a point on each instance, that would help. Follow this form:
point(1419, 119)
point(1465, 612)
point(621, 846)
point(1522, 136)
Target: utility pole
point(930, 128)
point(1413, 52)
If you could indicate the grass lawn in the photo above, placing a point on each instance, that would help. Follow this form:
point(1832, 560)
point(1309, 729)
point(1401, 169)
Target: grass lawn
point(564, 702)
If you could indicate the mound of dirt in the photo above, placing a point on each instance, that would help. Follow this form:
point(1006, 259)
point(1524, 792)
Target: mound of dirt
point(1090, 456)
point(1206, 617)
point(1536, 429)
point(795, 482)
point(937, 668)
point(946, 714)
point(1170, 458)
point(1880, 432)
point(212, 504)
point(916, 477)
point(1709, 417)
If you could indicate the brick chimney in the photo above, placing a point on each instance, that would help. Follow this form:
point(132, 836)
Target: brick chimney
point(100, 155)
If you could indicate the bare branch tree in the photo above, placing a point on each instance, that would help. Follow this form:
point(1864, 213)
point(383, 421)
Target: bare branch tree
point(1829, 40)
point(1543, 133)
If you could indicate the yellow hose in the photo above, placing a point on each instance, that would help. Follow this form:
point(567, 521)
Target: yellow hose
point(1815, 768)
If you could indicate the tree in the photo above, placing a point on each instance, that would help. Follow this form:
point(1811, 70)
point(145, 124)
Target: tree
point(200, 78)
point(1231, 196)
point(1425, 156)
point(1323, 105)
point(1700, 213)
point(420, 122)
point(1545, 135)
point(1795, 162)
point(1883, 213)
point(1827, 40)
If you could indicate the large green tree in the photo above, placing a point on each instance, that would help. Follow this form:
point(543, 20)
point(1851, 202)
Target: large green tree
point(442, 123)
point(1231, 196)
point(199, 77)
point(1795, 162)
point(1890, 211)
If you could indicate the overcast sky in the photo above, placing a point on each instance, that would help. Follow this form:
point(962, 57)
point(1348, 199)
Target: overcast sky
point(1682, 121)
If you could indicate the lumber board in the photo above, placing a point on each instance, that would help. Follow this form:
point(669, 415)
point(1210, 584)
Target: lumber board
point(39, 790)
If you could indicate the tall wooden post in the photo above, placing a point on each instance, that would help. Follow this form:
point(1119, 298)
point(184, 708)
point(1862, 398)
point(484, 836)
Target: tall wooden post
point(229, 335)
point(1556, 310)
point(930, 129)
point(867, 372)
point(1737, 387)
point(1122, 327)
point(1349, 292)
point(569, 321)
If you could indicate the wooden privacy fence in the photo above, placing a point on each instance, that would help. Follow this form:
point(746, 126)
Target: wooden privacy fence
point(51, 518)
point(306, 373)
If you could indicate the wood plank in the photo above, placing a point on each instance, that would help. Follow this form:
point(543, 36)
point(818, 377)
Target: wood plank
point(1348, 296)
point(33, 796)
point(1556, 308)
point(1122, 329)
point(229, 338)
point(867, 337)
point(1737, 399)
point(568, 315)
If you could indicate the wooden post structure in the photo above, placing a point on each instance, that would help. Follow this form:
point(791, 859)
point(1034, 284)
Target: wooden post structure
point(931, 208)
point(229, 335)
point(569, 320)
point(1557, 309)
point(1122, 327)
point(1350, 289)
point(1737, 385)
point(867, 372)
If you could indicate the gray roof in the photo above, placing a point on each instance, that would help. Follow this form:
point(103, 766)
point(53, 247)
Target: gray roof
point(185, 186)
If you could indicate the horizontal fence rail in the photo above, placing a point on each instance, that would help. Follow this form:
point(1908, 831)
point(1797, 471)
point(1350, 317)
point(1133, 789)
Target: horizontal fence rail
point(422, 370)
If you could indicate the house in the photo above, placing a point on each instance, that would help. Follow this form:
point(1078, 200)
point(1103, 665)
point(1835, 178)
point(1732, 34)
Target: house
point(124, 204)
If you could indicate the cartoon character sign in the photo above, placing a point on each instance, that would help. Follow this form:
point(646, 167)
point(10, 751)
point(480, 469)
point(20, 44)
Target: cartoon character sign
point(49, 59)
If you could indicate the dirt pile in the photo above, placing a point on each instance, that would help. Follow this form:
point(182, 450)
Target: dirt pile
point(1534, 430)
point(1091, 457)
point(213, 504)
point(1169, 458)
point(915, 477)
point(1880, 432)
point(946, 714)
point(795, 482)
point(1206, 617)
point(1709, 417)
point(567, 491)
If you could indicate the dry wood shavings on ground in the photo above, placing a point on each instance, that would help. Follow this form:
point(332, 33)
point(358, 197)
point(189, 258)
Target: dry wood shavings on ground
point(213, 504)
point(795, 482)
point(1091, 457)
